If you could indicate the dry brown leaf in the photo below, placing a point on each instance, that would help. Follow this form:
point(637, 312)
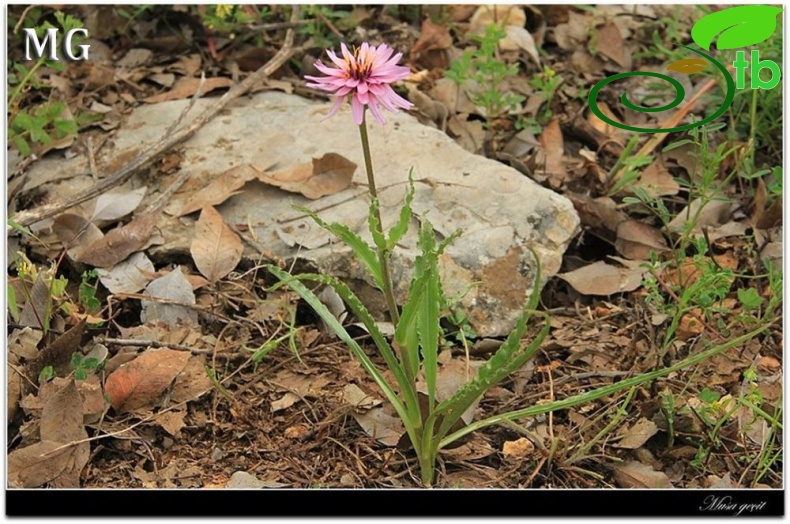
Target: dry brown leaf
point(323, 176)
point(598, 213)
point(608, 41)
point(58, 354)
point(142, 381)
point(61, 423)
point(215, 248)
point(76, 233)
point(657, 181)
point(378, 424)
point(93, 401)
point(431, 47)
point(636, 240)
point(518, 449)
point(715, 213)
point(358, 399)
point(638, 434)
point(553, 151)
point(220, 188)
point(608, 130)
point(603, 279)
point(34, 466)
point(192, 382)
point(765, 216)
point(13, 392)
point(637, 475)
point(186, 87)
point(468, 133)
point(172, 421)
point(119, 243)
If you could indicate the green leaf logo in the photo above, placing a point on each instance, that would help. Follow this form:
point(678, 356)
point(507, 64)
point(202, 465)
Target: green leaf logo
point(739, 26)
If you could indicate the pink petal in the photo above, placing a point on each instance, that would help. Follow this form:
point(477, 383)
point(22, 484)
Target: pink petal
point(332, 56)
point(362, 88)
point(363, 97)
point(335, 107)
point(357, 110)
point(376, 112)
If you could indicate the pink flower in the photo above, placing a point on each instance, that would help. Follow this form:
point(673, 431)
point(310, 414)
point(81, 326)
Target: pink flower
point(365, 75)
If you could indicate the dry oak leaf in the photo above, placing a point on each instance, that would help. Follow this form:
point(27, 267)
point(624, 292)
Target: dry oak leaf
point(216, 249)
point(330, 174)
point(636, 240)
point(119, 243)
point(142, 381)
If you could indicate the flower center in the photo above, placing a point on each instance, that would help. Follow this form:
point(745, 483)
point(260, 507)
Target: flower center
point(359, 70)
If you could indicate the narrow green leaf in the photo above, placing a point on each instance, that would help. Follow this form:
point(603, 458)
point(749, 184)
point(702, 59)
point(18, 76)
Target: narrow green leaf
point(430, 300)
point(376, 229)
point(400, 229)
point(359, 247)
point(13, 307)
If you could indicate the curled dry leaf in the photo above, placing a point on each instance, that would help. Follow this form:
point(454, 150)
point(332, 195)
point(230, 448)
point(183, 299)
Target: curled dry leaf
point(323, 176)
point(186, 87)
point(215, 248)
point(119, 243)
point(602, 279)
point(142, 381)
point(220, 188)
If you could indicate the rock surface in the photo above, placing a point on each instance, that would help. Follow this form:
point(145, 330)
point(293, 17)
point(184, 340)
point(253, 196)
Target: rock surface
point(501, 213)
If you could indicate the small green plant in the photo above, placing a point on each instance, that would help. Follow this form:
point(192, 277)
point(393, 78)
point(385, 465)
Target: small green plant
point(87, 292)
point(546, 84)
point(47, 121)
point(46, 374)
point(480, 74)
point(83, 365)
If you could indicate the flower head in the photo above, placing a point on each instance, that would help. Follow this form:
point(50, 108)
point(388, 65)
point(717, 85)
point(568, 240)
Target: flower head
point(365, 75)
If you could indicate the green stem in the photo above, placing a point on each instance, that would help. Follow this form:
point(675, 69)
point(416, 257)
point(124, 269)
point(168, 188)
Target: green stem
point(383, 256)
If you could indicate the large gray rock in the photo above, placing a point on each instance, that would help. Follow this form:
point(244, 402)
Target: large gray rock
point(501, 212)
